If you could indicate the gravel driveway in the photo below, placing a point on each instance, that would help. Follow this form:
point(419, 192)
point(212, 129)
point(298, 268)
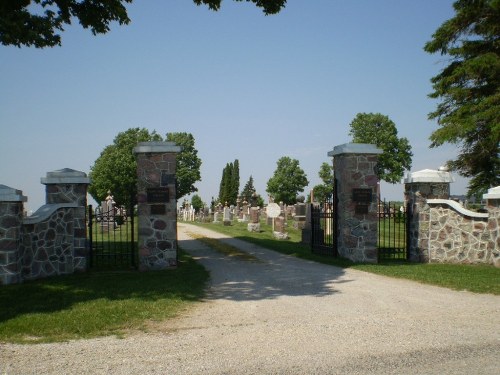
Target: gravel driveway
point(283, 315)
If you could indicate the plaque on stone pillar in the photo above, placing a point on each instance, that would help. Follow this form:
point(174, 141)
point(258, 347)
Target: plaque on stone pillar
point(167, 178)
point(157, 195)
point(157, 209)
point(362, 195)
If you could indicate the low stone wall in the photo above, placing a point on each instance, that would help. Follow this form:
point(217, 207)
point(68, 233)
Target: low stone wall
point(458, 237)
point(445, 232)
point(53, 240)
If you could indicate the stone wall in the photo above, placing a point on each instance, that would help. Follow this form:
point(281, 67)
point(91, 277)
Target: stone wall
point(50, 242)
point(443, 231)
point(460, 236)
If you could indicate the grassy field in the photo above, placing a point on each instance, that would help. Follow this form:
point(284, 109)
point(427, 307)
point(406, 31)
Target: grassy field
point(97, 303)
point(474, 278)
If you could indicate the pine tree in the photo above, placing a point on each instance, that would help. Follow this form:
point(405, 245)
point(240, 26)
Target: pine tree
point(248, 190)
point(469, 88)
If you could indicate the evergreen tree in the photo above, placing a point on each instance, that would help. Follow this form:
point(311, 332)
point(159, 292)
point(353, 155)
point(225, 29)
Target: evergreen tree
point(248, 190)
point(469, 88)
point(229, 185)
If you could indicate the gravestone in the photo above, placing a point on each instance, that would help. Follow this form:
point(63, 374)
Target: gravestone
point(254, 225)
point(226, 216)
point(279, 228)
point(300, 216)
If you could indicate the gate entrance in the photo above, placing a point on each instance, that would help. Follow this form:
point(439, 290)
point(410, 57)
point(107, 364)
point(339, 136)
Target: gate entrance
point(111, 237)
point(392, 231)
point(324, 228)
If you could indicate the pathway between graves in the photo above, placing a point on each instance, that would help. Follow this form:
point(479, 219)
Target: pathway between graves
point(282, 315)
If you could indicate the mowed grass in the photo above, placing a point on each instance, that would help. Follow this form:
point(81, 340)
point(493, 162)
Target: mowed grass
point(97, 303)
point(473, 278)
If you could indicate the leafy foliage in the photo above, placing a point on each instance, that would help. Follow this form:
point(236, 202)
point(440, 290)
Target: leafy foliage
point(469, 111)
point(116, 168)
point(23, 24)
point(188, 163)
point(288, 180)
point(197, 203)
point(378, 129)
point(324, 190)
point(268, 6)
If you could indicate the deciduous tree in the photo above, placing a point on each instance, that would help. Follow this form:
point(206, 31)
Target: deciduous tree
point(468, 87)
point(188, 163)
point(288, 180)
point(116, 168)
point(38, 22)
point(378, 129)
point(323, 191)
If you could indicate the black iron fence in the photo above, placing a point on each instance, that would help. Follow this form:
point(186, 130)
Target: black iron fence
point(392, 231)
point(323, 228)
point(111, 237)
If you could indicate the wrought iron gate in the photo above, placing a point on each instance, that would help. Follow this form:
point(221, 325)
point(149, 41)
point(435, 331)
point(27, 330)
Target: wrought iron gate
point(111, 237)
point(324, 228)
point(392, 231)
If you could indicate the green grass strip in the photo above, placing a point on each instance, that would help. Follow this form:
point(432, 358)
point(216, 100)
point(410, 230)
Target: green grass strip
point(473, 278)
point(97, 303)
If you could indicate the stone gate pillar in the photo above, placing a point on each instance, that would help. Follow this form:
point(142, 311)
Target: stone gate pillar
point(420, 186)
point(68, 186)
point(11, 220)
point(156, 205)
point(356, 192)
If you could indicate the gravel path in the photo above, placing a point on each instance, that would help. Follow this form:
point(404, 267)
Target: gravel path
point(282, 315)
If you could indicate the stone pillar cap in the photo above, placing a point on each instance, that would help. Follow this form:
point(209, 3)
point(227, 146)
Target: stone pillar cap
point(158, 147)
point(355, 148)
point(493, 193)
point(8, 194)
point(65, 176)
point(429, 175)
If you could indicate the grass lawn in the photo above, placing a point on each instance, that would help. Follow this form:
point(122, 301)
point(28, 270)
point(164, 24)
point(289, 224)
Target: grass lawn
point(97, 303)
point(474, 278)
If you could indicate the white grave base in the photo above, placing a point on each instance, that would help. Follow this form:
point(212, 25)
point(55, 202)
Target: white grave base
point(280, 235)
point(253, 227)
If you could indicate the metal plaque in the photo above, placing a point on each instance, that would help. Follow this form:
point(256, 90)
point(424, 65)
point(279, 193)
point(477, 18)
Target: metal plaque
point(157, 209)
point(167, 178)
point(157, 195)
point(361, 209)
point(362, 195)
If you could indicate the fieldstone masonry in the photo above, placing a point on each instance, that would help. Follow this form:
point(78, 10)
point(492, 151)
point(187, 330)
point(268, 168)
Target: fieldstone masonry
point(156, 207)
point(354, 165)
point(53, 240)
point(11, 218)
point(442, 230)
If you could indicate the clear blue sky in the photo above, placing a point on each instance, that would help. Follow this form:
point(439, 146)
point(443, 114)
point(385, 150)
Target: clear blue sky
point(247, 86)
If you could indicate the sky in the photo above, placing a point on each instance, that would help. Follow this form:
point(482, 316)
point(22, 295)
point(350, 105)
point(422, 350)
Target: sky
point(247, 86)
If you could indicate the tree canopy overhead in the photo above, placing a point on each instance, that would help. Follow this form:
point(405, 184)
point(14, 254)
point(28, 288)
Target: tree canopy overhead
point(38, 22)
point(468, 113)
